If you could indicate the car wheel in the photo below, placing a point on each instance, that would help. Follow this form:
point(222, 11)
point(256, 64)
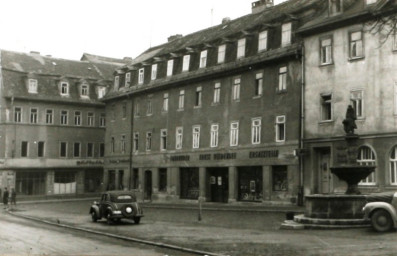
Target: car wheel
point(381, 221)
point(137, 220)
point(109, 218)
point(94, 216)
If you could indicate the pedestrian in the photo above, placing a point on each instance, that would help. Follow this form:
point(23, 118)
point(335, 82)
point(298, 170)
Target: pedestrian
point(13, 197)
point(5, 198)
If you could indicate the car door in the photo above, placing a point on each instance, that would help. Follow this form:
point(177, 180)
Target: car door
point(103, 205)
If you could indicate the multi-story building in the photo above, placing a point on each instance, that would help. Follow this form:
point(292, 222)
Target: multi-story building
point(212, 115)
point(52, 124)
point(348, 61)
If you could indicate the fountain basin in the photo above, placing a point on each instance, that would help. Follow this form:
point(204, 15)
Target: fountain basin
point(352, 175)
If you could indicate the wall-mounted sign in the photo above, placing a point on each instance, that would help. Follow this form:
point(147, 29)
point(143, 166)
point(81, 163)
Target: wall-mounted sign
point(220, 156)
point(264, 154)
point(205, 157)
point(89, 162)
point(180, 158)
point(118, 161)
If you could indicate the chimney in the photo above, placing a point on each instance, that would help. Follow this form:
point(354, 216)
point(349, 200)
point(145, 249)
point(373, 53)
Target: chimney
point(226, 20)
point(261, 5)
point(174, 37)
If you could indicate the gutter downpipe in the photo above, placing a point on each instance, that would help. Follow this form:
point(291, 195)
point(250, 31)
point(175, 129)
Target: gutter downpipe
point(131, 142)
point(301, 127)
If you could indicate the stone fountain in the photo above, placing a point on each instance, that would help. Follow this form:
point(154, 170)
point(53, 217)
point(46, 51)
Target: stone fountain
point(338, 210)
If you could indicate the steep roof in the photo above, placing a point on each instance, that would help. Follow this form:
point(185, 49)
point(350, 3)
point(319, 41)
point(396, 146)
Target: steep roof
point(102, 59)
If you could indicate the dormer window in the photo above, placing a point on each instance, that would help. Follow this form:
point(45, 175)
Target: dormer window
point(241, 48)
point(186, 62)
point(154, 72)
point(170, 67)
point(64, 88)
point(262, 41)
point(101, 92)
point(286, 34)
point(335, 6)
point(141, 73)
point(84, 90)
point(32, 86)
point(116, 82)
point(127, 79)
point(203, 59)
point(221, 53)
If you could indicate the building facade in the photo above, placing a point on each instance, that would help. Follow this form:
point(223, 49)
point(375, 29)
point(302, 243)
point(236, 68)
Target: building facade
point(213, 115)
point(52, 124)
point(348, 63)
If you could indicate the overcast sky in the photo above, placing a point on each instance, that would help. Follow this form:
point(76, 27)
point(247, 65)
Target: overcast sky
point(112, 28)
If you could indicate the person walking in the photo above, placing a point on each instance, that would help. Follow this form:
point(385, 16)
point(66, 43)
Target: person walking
point(5, 198)
point(13, 197)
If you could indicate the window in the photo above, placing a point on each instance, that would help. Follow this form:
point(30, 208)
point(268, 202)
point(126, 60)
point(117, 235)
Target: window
point(64, 88)
point(214, 135)
point(124, 110)
point(280, 178)
point(90, 119)
point(234, 133)
point(148, 141)
point(32, 85)
point(40, 149)
point(102, 120)
point(217, 92)
point(356, 100)
point(262, 41)
point(163, 179)
point(280, 128)
point(154, 72)
point(165, 102)
point(326, 107)
point(186, 62)
point(170, 67)
point(102, 149)
point(76, 149)
point(84, 90)
point(116, 82)
point(90, 149)
point(241, 48)
point(141, 75)
point(149, 109)
point(178, 137)
point(335, 6)
point(221, 53)
point(393, 166)
point(236, 89)
point(127, 79)
point(286, 34)
point(163, 139)
point(196, 136)
point(49, 116)
point(24, 148)
point(17, 114)
point(136, 109)
point(77, 118)
point(356, 45)
point(136, 142)
point(63, 149)
point(282, 79)
point(33, 115)
point(101, 92)
point(181, 101)
point(122, 144)
point(112, 145)
point(366, 156)
point(203, 59)
point(256, 131)
point(371, 1)
point(197, 102)
point(258, 84)
point(135, 178)
point(64, 117)
point(326, 51)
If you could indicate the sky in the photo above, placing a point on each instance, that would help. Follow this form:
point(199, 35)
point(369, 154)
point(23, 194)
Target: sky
point(112, 28)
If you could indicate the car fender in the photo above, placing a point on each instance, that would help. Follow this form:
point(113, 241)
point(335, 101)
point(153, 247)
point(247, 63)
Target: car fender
point(96, 209)
point(370, 208)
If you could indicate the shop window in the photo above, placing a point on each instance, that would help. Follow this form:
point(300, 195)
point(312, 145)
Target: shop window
point(179, 137)
point(356, 100)
point(30, 183)
point(93, 180)
point(221, 53)
point(366, 156)
point(24, 148)
point(250, 183)
point(163, 180)
point(40, 149)
point(64, 182)
point(326, 107)
point(217, 93)
point(189, 183)
point(280, 178)
point(393, 166)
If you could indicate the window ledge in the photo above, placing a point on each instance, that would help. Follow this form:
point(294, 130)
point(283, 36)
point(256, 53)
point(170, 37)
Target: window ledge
point(326, 64)
point(356, 58)
point(257, 97)
point(180, 109)
point(149, 114)
point(196, 107)
point(326, 122)
point(282, 91)
point(236, 101)
point(215, 104)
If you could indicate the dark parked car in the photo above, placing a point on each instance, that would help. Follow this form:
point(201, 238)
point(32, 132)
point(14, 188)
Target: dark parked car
point(381, 210)
point(116, 205)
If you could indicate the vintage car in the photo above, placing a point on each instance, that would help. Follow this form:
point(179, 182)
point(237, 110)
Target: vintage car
point(381, 210)
point(116, 205)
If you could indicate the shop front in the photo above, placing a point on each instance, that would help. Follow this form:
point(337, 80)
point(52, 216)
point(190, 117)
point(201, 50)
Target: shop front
point(250, 183)
point(218, 184)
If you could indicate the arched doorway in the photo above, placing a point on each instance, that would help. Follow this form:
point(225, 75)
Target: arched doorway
point(148, 185)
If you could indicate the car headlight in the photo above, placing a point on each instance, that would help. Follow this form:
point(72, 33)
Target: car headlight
point(128, 209)
point(116, 212)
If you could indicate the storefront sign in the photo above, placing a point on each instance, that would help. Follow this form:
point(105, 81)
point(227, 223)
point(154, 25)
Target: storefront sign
point(263, 154)
point(225, 156)
point(205, 157)
point(180, 158)
point(117, 161)
point(89, 162)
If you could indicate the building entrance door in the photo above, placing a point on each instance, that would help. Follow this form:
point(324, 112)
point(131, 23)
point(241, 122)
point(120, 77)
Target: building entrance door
point(219, 184)
point(324, 171)
point(148, 185)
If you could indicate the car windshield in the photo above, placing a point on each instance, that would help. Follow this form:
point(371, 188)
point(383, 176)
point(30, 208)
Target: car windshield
point(122, 198)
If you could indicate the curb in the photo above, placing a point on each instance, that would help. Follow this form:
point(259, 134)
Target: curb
point(125, 238)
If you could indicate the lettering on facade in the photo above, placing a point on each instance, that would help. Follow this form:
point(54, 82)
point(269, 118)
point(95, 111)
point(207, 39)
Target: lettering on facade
point(117, 161)
point(180, 158)
point(89, 162)
point(205, 157)
point(225, 156)
point(264, 154)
